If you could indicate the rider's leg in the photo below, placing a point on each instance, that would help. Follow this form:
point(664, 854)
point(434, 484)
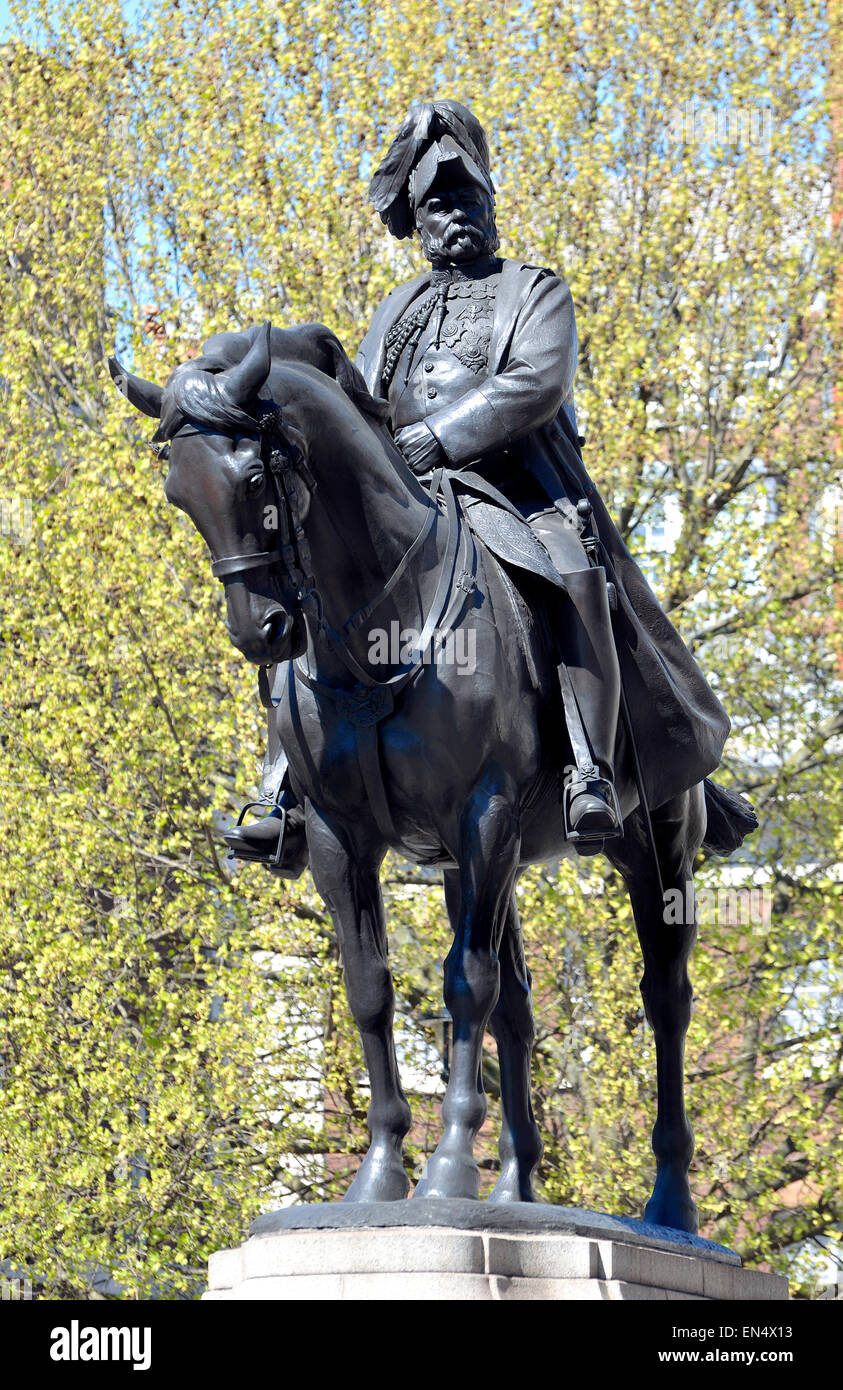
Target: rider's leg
point(592, 676)
point(590, 680)
point(258, 839)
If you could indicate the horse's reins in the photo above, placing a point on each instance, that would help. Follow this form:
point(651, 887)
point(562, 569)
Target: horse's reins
point(371, 699)
point(282, 460)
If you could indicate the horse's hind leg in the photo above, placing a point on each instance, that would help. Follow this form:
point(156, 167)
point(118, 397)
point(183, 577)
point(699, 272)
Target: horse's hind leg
point(488, 861)
point(347, 879)
point(512, 1027)
point(666, 940)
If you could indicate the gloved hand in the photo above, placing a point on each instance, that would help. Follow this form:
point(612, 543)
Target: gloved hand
point(420, 448)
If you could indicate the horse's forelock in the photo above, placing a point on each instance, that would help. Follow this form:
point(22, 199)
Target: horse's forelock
point(192, 393)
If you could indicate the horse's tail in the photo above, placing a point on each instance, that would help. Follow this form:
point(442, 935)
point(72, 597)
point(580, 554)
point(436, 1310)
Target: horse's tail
point(730, 819)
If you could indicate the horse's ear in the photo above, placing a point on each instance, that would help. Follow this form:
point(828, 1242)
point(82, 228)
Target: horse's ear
point(242, 383)
point(143, 395)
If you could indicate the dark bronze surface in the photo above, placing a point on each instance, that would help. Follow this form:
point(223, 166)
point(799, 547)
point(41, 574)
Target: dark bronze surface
point(580, 686)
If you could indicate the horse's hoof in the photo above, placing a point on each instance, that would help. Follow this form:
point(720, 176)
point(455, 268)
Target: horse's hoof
point(672, 1208)
point(511, 1189)
point(380, 1178)
point(449, 1175)
point(515, 1184)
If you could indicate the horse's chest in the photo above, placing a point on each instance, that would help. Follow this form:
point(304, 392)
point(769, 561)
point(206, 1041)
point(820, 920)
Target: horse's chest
point(403, 767)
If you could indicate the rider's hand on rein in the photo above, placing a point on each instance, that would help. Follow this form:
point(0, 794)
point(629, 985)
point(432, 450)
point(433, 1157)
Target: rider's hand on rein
point(420, 447)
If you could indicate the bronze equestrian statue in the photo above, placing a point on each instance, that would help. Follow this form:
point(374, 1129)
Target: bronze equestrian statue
point(475, 363)
point(436, 488)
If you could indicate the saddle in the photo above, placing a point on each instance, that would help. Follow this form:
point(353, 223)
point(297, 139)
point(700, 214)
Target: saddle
point(495, 521)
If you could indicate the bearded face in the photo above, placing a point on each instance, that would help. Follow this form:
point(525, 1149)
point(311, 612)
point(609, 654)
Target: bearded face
point(456, 223)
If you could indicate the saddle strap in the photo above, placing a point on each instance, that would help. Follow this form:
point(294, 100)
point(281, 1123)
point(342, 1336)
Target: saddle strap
point(367, 743)
point(265, 690)
point(459, 544)
point(457, 581)
point(360, 617)
point(576, 729)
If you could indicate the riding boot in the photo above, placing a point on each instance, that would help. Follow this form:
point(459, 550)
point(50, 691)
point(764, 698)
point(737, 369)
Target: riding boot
point(261, 840)
point(589, 677)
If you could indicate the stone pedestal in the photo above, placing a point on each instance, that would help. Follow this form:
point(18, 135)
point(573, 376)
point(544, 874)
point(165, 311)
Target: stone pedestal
point(429, 1249)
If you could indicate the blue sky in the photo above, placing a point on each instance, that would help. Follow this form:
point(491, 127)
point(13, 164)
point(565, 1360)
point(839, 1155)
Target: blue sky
point(129, 6)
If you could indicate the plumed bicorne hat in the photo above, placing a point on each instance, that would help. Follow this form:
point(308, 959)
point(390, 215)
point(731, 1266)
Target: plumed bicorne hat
point(426, 124)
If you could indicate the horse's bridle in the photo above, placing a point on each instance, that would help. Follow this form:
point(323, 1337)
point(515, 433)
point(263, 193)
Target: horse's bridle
point(282, 459)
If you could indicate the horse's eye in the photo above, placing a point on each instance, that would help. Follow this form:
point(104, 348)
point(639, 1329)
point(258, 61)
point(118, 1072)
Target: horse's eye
point(255, 484)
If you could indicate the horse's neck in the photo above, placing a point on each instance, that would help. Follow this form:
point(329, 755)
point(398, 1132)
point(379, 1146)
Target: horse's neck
point(366, 513)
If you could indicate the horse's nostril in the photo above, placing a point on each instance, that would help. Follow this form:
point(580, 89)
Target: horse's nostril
point(274, 624)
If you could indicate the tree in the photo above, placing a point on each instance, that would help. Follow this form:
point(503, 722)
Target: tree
point(175, 1045)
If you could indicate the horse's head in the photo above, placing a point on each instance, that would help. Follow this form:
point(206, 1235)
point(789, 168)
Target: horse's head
point(232, 470)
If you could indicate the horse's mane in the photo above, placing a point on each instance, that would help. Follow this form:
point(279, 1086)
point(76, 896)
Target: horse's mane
point(191, 393)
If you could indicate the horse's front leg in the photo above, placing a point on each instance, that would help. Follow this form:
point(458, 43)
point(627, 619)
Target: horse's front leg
point(667, 935)
point(511, 1025)
point(488, 861)
point(346, 877)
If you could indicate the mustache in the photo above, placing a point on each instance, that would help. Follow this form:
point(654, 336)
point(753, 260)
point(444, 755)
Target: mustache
point(439, 245)
point(455, 229)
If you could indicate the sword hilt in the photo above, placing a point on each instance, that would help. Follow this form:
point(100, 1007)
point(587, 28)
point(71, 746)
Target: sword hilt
point(590, 542)
point(591, 545)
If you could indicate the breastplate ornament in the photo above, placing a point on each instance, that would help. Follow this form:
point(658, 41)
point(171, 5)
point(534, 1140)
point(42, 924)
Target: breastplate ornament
point(457, 310)
point(467, 328)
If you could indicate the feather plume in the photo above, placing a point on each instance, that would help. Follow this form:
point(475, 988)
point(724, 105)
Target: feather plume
point(424, 123)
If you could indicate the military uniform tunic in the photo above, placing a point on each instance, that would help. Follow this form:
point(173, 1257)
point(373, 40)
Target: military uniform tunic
point(445, 357)
point(435, 355)
point(515, 424)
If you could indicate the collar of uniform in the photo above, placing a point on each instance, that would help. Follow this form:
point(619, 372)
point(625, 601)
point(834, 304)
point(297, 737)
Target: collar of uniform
point(471, 270)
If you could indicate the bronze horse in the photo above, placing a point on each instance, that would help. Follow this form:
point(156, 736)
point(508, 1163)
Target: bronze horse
point(317, 528)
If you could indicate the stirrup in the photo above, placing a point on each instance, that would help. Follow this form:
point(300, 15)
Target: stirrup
point(591, 841)
point(273, 860)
